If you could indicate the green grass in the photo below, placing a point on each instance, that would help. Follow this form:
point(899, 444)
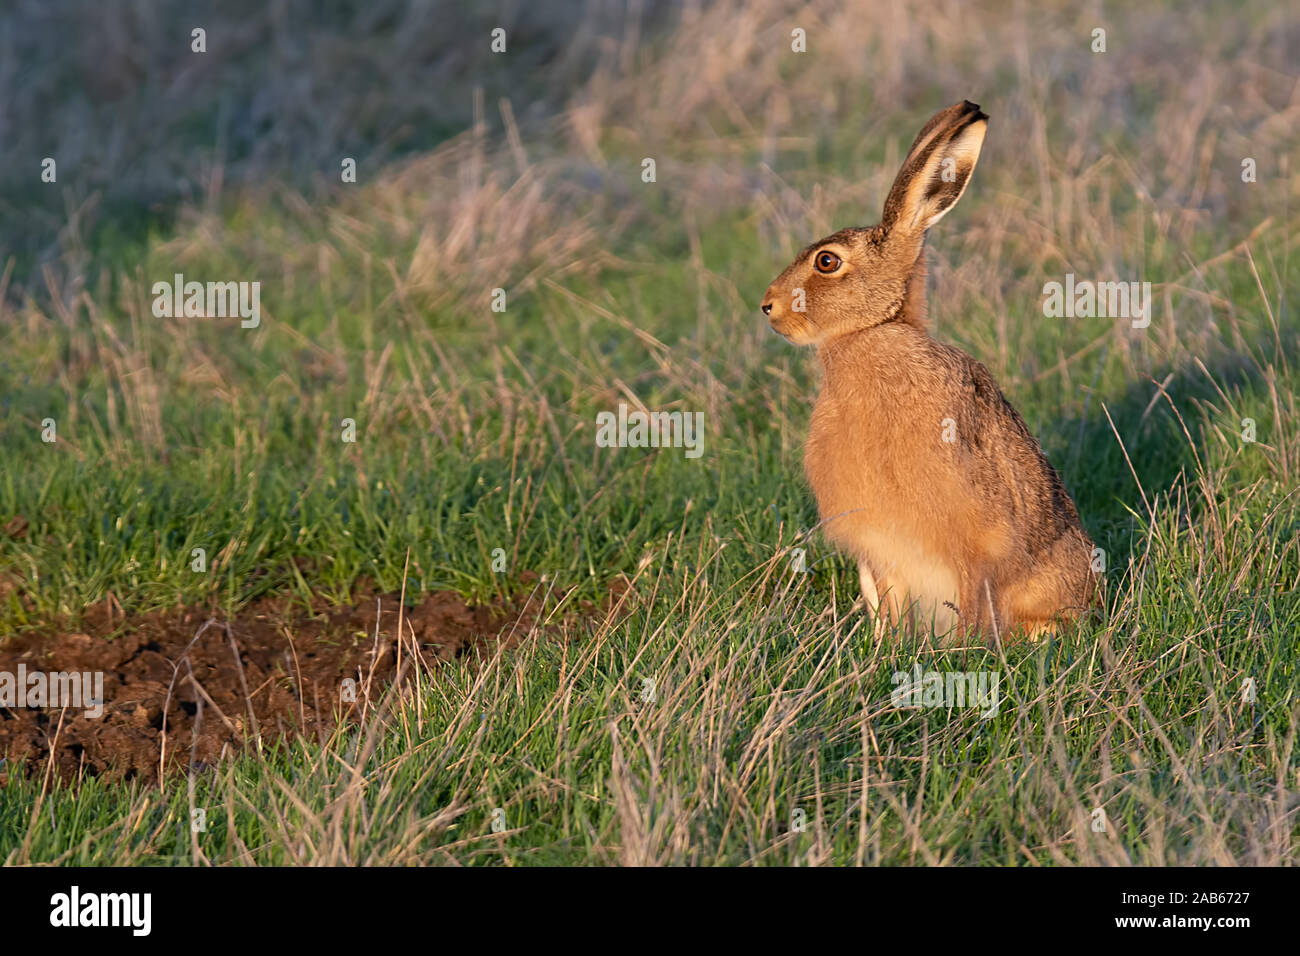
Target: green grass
point(476, 431)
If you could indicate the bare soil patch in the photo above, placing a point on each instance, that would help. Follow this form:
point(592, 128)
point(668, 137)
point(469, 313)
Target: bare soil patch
point(186, 686)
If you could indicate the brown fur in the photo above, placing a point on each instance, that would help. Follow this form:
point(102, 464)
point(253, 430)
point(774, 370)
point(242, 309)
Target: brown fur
point(978, 532)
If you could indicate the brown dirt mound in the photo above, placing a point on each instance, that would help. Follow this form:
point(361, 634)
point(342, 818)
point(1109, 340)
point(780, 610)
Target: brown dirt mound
point(269, 670)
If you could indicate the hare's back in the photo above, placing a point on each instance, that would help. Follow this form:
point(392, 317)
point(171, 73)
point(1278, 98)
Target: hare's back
point(1006, 464)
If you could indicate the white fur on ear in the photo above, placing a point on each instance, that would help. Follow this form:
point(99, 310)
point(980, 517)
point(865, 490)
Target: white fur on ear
point(944, 177)
point(937, 168)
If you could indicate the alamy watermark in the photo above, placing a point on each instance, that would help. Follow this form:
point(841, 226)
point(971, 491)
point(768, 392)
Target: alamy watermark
point(638, 429)
point(78, 690)
point(1085, 299)
point(179, 299)
point(129, 910)
point(947, 689)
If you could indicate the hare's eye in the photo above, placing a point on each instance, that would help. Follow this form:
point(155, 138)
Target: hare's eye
point(827, 262)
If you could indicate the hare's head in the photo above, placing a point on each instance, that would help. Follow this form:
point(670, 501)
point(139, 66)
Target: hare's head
point(858, 278)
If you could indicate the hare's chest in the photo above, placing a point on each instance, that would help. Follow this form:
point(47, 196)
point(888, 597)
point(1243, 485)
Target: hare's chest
point(859, 469)
point(873, 465)
point(877, 500)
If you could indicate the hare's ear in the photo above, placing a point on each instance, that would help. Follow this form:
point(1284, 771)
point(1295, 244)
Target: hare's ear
point(937, 168)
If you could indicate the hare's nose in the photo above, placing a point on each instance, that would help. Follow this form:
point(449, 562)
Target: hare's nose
point(767, 308)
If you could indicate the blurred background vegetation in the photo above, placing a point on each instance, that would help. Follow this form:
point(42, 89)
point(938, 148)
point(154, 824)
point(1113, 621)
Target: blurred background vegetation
point(140, 124)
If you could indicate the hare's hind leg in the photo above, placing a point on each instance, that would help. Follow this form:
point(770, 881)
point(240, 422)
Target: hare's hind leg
point(1038, 608)
point(1034, 630)
point(1057, 591)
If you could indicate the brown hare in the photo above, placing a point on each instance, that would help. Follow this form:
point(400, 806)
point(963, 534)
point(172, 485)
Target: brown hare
point(922, 470)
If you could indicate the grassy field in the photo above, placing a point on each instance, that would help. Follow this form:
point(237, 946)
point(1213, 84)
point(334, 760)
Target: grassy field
point(726, 709)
